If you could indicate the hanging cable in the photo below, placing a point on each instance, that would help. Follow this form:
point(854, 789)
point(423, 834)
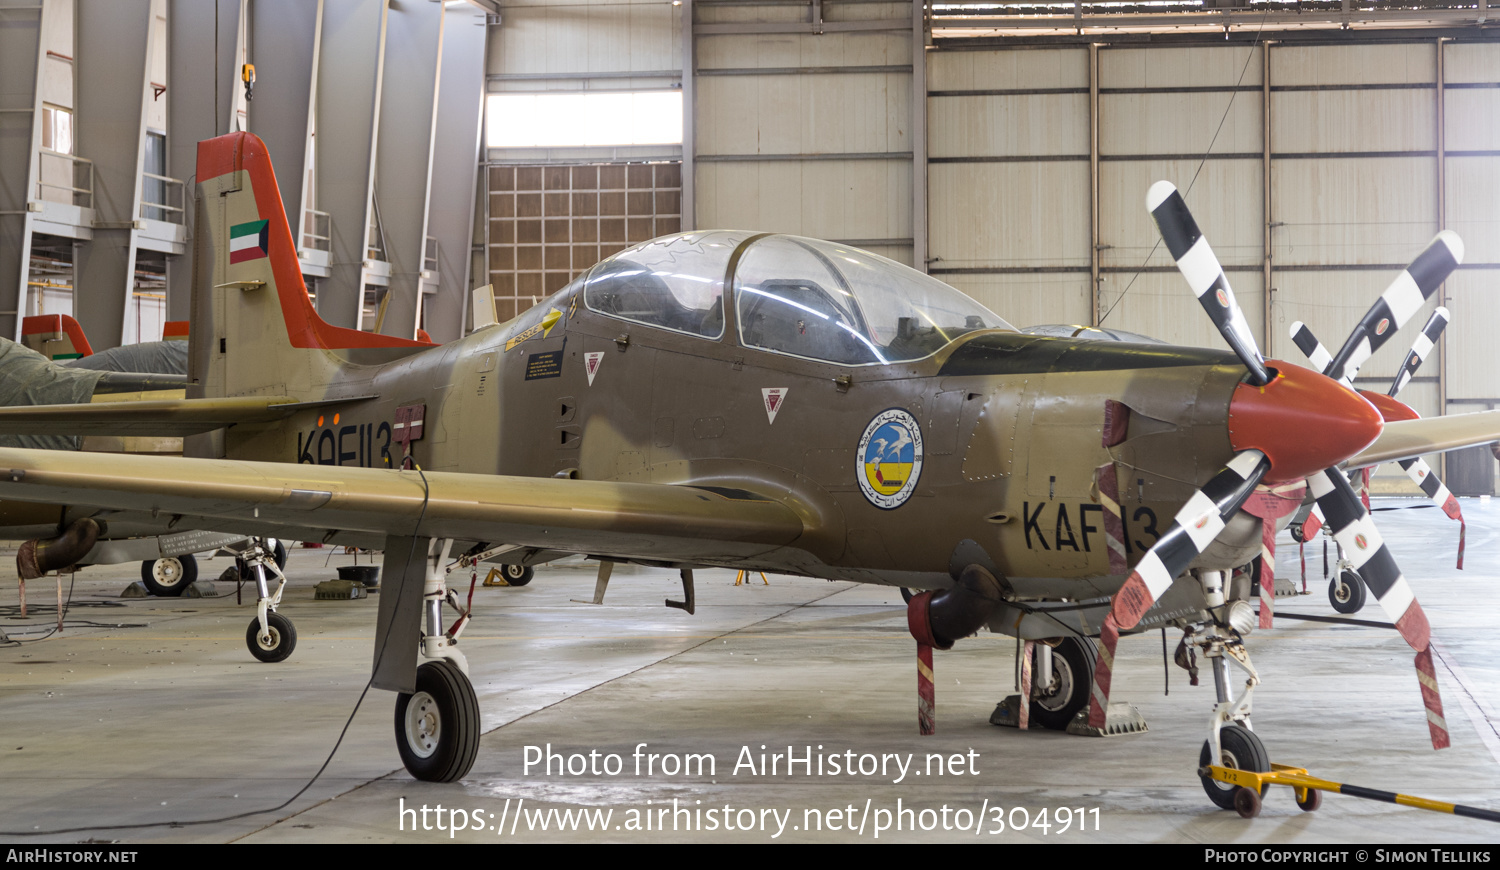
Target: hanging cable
point(1204, 160)
point(422, 514)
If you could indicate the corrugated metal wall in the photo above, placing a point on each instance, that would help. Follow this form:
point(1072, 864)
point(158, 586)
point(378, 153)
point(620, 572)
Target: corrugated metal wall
point(1327, 167)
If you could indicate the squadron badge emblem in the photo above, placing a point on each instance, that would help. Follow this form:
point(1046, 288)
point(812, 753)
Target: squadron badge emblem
point(889, 459)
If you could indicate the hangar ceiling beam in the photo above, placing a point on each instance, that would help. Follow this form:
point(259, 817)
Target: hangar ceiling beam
point(348, 100)
point(20, 137)
point(284, 48)
point(403, 161)
point(110, 127)
point(201, 79)
point(455, 168)
point(1252, 20)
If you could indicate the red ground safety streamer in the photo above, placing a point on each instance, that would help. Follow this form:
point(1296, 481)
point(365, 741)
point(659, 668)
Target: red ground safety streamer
point(1109, 638)
point(1023, 716)
point(926, 694)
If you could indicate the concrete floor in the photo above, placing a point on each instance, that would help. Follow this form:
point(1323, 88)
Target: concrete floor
point(152, 711)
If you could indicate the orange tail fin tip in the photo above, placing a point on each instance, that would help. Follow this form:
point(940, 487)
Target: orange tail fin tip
point(246, 152)
point(61, 324)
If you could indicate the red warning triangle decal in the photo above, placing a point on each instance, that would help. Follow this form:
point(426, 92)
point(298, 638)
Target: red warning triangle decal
point(773, 396)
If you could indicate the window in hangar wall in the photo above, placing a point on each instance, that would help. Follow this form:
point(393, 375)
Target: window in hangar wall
point(553, 211)
point(550, 223)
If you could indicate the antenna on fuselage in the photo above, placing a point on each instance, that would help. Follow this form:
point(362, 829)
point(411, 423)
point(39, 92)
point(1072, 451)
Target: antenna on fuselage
point(484, 307)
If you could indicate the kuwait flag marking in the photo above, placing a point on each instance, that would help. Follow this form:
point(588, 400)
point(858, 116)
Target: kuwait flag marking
point(248, 241)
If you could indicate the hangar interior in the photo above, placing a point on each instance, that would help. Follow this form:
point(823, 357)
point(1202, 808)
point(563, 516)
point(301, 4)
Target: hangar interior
point(426, 150)
point(1003, 147)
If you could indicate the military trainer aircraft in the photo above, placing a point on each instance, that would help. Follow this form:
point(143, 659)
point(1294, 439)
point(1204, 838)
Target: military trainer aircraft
point(749, 400)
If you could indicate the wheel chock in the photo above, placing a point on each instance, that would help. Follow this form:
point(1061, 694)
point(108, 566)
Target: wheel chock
point(1122, 718)
point(1307, 787)
point(1119, 718)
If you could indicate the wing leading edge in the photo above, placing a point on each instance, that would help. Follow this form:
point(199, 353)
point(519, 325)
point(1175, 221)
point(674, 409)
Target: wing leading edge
point(1408, 439)
point(307, 502)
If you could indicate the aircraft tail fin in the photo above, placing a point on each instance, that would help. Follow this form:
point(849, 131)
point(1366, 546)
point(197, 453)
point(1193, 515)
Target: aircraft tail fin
point(254, 328)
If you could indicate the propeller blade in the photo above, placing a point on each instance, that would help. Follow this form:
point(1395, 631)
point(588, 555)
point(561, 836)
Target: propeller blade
point(1419, 349)
point(1194, 527)
point(1311, 348)
point(1196, 260)
point(1356, 533)
point(1416, 283)
point(1437, 492)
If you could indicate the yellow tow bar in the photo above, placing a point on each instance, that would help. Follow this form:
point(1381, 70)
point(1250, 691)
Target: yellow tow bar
point(1307, 788)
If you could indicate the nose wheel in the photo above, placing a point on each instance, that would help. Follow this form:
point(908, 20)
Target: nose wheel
point(1239, 749)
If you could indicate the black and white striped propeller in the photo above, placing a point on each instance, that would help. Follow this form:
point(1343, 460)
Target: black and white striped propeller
point(1208, 509)
point(1420, 348)
point(1417, 469)
point(1433, 266)
point(1196, 260)
point(1400, 301)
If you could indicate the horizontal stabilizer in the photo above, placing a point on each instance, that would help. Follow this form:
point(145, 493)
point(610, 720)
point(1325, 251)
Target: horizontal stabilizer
point(160, 417)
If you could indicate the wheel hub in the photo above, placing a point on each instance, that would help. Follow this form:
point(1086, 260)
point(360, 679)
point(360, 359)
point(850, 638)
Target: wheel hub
point(423, 725)
point(269, 639)
point(1055, 695)
point(1227, 759)
point(167, 571)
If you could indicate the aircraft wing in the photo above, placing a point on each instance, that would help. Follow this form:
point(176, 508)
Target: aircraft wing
point(1406, 439)
point(163, 417)
point(311, 502)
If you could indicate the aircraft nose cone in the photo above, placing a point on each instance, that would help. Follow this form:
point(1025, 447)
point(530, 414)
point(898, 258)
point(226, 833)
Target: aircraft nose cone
point(1303, 422)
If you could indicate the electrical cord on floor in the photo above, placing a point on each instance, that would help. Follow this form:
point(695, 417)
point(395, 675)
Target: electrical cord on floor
point(426, 492)
point(7, 641)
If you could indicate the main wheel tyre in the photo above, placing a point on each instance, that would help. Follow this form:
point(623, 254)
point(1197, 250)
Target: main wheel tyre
point(1346, 592)
point(1054, 705)
point(517, 575)
point(437, 726)
point(1239, 749)
point(283, 638)
point(169, 576)
point(279, 554)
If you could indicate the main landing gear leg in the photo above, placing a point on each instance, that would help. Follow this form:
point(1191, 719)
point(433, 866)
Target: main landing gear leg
point(437, 725)
point(271, 637)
